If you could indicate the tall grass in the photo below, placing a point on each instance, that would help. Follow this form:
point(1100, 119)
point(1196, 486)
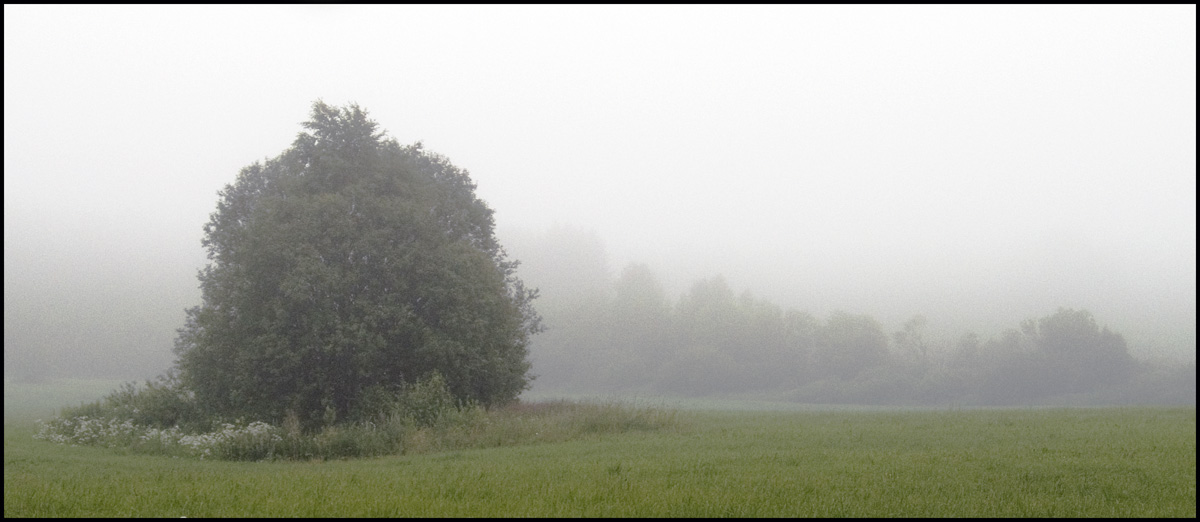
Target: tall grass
point(538, 422)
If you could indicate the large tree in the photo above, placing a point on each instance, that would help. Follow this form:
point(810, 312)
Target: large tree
point(350, 263)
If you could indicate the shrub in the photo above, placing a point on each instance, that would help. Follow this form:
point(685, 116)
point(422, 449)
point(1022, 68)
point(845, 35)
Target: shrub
point(425, 402)
point(160, 404)
point(420, 418)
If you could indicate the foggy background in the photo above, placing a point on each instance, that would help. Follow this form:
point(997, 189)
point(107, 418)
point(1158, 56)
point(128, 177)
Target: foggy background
point(978, 165)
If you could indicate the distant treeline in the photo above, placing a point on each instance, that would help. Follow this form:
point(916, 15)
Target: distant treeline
point(631, 338)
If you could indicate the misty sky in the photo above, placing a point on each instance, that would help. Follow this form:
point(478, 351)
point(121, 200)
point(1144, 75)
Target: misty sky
point(977, 164)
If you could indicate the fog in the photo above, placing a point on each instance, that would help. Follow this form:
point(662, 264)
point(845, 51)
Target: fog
point(979, 165)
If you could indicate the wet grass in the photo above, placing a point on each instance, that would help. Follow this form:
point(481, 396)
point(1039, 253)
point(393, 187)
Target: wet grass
point(1084, 462)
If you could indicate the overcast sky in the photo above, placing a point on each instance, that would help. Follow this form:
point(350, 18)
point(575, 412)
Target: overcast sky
point(971, 159)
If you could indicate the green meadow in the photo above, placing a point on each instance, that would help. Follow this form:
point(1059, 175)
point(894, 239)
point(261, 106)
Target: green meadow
point(718, 459)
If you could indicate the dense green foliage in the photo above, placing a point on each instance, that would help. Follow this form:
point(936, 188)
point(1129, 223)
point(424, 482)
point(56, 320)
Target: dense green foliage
point(1093, 462)
point(346, 265)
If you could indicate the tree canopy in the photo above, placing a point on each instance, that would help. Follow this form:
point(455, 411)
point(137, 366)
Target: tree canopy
point(348, 264)
point(628, 333)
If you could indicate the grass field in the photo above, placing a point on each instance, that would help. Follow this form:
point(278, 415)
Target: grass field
point(1086, 462)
